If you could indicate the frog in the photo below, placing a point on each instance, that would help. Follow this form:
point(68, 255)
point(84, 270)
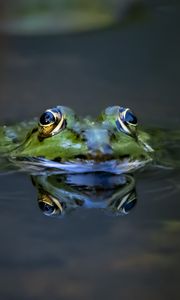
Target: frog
point(61, 195)
point(60, 141)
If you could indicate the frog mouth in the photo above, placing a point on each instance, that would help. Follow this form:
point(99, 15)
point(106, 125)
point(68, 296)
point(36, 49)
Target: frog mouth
point(98, 158)
point(40, 165)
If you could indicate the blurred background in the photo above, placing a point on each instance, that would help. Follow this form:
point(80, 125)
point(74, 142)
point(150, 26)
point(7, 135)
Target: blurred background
point(43, 16)
point(89, 55)
point(97, 53)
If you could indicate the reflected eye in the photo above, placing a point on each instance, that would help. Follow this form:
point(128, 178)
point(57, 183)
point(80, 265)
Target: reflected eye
point(127, 203)
point(127, 121)
point(46, 208)
point(49, 205)
point(128, 206)
point(51, 122)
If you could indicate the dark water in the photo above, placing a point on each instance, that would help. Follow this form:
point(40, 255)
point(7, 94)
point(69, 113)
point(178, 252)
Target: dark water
point(90, 255)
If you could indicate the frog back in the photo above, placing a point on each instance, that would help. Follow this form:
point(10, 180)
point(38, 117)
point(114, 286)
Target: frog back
point(12, 136)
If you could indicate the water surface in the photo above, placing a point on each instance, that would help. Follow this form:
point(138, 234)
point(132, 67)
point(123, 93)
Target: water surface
point(90, 255)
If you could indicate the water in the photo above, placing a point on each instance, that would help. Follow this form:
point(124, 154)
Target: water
point(88, 254)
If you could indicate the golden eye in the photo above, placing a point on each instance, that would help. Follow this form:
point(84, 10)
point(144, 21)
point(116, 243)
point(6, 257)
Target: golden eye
point(49, 205)
point(51, 122)
point(127, 121)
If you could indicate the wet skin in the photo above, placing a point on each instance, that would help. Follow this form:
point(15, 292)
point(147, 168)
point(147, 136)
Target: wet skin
point(86, 145)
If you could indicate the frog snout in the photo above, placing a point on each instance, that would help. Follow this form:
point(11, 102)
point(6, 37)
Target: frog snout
point(100, 150)
point(98, 142)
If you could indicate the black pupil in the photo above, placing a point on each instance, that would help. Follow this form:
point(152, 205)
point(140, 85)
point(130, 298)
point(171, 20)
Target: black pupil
point(130, 118)
point(47, 118)
point(129, 205)
point(46, 208)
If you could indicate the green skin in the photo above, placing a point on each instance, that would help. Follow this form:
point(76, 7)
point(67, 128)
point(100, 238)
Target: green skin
point(82, 141)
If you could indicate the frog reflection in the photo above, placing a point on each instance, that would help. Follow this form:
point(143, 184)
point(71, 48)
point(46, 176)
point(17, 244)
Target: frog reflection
point(59, 195)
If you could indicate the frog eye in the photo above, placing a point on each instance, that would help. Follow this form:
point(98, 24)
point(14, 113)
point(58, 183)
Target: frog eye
point(127, 121)
point(49, 205)
point(51, 122)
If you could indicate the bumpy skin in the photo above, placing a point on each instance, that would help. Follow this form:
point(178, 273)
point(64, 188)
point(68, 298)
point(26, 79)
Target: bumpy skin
point(81, 139)
point(12, 136)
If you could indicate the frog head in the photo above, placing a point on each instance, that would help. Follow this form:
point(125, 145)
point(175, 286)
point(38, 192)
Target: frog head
point(62, 137)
